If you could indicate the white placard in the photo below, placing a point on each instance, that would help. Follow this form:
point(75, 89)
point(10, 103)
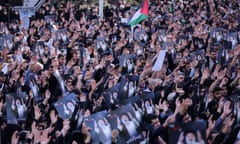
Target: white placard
point(100, 2)
point(159, 62)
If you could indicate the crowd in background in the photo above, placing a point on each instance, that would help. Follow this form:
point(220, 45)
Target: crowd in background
point(71, 50)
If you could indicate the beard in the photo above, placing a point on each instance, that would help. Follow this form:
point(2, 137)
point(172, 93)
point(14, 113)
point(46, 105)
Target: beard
point(131, 91)
point(149, 109)
point(130, 67)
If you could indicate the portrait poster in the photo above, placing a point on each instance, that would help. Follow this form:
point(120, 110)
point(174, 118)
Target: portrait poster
point(100, 127)
point(16, 108)
point(128, 87)
point(124, 121)
point(8, 41)
point(192, 132)
point(111, 95)
point(124, 59)
point(67, 106)
point(37, 97)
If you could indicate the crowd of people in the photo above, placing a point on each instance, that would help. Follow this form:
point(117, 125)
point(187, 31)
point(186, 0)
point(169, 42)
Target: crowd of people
point(74, 77)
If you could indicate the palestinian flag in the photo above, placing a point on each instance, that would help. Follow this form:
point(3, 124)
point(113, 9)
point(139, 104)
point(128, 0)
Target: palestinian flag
point(140, 15)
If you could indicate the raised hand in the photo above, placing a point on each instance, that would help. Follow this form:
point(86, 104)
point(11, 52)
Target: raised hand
point(36, 133)
point(94, 84)
point(15, 138)
point(70, 63)
point(177, 103)
point(227, 124)
point(211, 124)
point(205, 73)
point(37, 112)
point(47, 94)
point(216, 70)
point(53, 117)
point(33, 127)
point(221, 74)
point(44, 137)
point(226, 109)
point(181, 138)
point(66, 127)
point(220, 104)
point(199, 136)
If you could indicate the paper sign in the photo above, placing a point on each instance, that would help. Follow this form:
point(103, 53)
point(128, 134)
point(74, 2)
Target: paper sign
point(159, 62)
point(24, 16)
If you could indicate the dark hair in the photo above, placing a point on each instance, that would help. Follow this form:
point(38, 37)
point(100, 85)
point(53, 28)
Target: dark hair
point(60, 56)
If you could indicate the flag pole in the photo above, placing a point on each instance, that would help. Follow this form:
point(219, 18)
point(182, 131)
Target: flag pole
point(132, 33)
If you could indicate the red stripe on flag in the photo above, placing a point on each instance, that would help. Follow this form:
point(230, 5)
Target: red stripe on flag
point(144, 9)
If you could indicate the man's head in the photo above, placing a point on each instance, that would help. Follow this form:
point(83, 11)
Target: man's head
point(180, 76)
point(61, 59)
point(37, 67)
